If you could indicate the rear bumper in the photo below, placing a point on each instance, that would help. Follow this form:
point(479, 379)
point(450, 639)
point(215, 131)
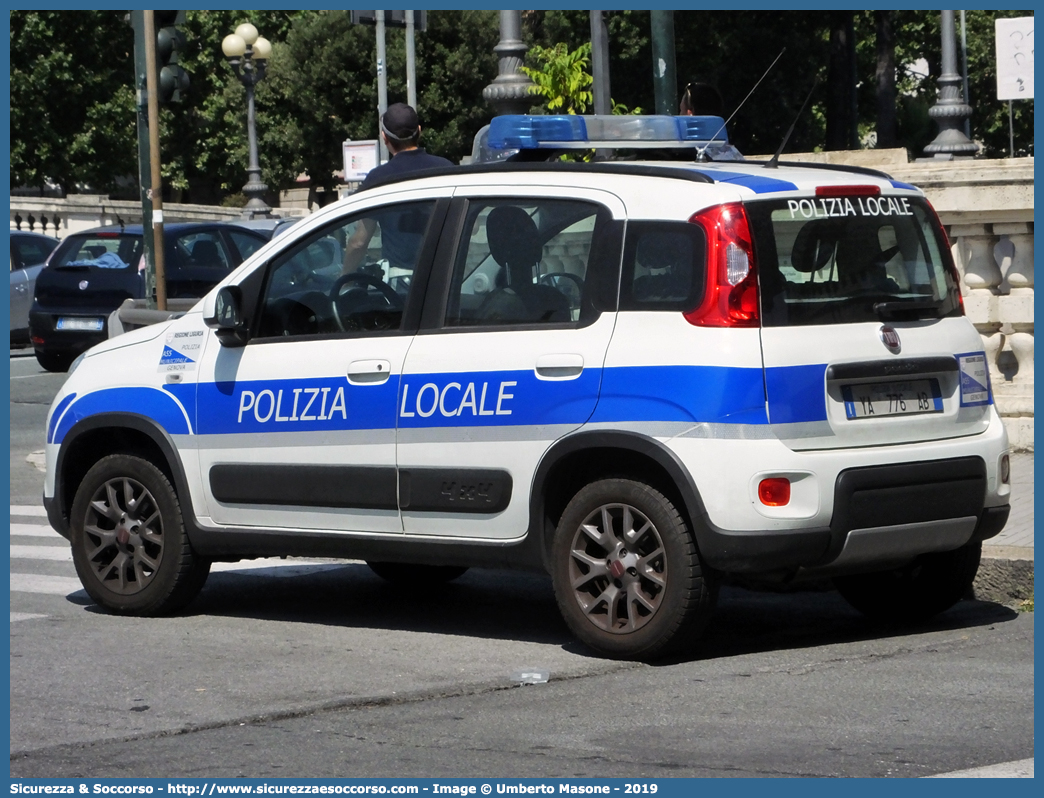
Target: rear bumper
point(882, 515)
point(64, 342)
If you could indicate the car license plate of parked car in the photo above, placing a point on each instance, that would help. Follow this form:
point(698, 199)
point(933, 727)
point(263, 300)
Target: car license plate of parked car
point(873, 400)
point(73, 323)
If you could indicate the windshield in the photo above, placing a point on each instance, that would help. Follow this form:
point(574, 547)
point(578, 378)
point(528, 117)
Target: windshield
point(836, 260)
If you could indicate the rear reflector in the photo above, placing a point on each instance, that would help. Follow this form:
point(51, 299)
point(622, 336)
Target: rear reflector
point(848, 191)
point(774, 492)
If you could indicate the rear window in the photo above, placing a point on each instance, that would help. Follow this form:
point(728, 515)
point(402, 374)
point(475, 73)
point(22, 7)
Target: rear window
point(101, 252)
point(851, 259)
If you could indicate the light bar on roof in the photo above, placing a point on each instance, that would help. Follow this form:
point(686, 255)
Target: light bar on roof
point(524, 132)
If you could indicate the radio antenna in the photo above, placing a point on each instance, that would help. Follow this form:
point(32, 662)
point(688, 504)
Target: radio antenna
point(774, 162)
point(699, 155)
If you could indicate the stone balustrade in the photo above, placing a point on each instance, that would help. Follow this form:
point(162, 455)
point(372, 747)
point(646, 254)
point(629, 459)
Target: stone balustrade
point(986, 207)
point(84, 211)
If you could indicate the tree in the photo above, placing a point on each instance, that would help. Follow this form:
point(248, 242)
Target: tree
point(72, 102)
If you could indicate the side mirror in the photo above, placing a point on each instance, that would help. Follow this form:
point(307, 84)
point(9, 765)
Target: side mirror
point(227, 317)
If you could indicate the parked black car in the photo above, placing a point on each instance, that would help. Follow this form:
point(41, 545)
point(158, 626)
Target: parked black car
point(92, 272)
point(28, 253)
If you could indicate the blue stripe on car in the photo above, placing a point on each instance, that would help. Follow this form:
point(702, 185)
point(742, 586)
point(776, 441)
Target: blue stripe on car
point(693, 394)
point(759, 184)
point(149, 402)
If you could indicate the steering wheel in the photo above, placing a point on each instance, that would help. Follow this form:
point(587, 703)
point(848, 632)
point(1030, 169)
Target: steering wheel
point(361, 277)
point(393, 301)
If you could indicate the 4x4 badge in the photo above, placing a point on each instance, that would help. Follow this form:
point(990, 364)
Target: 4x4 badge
point(890, 338)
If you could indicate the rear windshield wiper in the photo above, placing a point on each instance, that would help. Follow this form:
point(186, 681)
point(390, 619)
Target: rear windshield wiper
point(902, 307)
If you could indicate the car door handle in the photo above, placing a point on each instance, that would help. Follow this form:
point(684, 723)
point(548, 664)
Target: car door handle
point(559, 367)
point(369, 372)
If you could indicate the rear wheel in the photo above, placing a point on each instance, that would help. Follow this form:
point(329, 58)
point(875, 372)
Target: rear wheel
point(413, 575)
point(929, 585)
point(128, 540)
point(626, 572)
point(53, 362)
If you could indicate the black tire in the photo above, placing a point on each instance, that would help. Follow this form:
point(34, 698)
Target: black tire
point(929, 585)
point(53, 362)
point(415, 575)
point(128, 539)
point(642, 602)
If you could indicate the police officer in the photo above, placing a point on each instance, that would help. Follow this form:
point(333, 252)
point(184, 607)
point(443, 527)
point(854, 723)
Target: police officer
point(400, 130)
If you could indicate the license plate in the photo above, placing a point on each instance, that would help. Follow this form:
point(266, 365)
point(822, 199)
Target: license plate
point(904, 398)
point(74, 323)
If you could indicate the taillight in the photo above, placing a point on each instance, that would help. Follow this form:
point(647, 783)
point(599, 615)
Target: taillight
point(731, 296)
point(947, 255)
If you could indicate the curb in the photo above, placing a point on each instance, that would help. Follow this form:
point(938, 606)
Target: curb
point(1005, 575)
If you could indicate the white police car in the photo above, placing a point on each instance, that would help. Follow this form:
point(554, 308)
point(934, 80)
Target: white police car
point(637, 376)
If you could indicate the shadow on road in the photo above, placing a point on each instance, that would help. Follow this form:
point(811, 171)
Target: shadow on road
point(507, 605)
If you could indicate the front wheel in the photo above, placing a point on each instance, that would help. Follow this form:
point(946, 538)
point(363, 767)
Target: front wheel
point(128, 540)
point(627, 574)
point(931, 584)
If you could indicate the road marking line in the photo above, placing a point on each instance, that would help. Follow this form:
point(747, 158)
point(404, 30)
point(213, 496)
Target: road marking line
point(34, 531)
point(1021, 769)
point(25, 616)
point(28, 509)
point(51, 585)
point(52, 553)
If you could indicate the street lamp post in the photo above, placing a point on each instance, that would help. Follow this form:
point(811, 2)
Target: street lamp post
point(951, 110)
point(248, 53)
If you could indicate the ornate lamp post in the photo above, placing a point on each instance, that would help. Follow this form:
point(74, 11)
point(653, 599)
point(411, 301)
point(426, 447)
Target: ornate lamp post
point(951, 110)
point(509, 91)
point(248, 53)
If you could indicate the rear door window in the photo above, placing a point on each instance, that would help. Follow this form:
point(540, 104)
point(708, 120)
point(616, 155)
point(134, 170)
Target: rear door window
point(525, 263)
point(851, 259)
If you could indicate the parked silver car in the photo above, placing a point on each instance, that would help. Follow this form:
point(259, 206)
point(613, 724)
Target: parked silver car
point(29, 251)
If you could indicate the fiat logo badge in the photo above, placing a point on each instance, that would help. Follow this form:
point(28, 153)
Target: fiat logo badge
point(83, 285)
point(890, 338)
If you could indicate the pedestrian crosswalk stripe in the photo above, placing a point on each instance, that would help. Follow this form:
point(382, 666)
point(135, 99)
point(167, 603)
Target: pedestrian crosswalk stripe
point(39, 583)
point(29, 510)
point(25, 616)
point(53, 553)
point(35, 531)
point(1019, 769)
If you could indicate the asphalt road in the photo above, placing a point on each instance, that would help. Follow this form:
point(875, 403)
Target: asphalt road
point(289, 668)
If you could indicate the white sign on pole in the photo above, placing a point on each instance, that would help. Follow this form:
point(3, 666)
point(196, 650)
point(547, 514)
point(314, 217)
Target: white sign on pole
point(1014, 58)
point(359, 158)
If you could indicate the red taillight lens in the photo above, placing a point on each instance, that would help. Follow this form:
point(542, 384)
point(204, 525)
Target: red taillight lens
point(731, 298)
point(774, 492)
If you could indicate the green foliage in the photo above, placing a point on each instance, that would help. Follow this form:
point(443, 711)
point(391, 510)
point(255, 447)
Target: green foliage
point(72, 105)
point(562, 78)
point(73, 115)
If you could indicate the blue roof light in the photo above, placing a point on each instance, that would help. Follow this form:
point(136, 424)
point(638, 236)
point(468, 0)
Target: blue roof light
point(523, 132)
